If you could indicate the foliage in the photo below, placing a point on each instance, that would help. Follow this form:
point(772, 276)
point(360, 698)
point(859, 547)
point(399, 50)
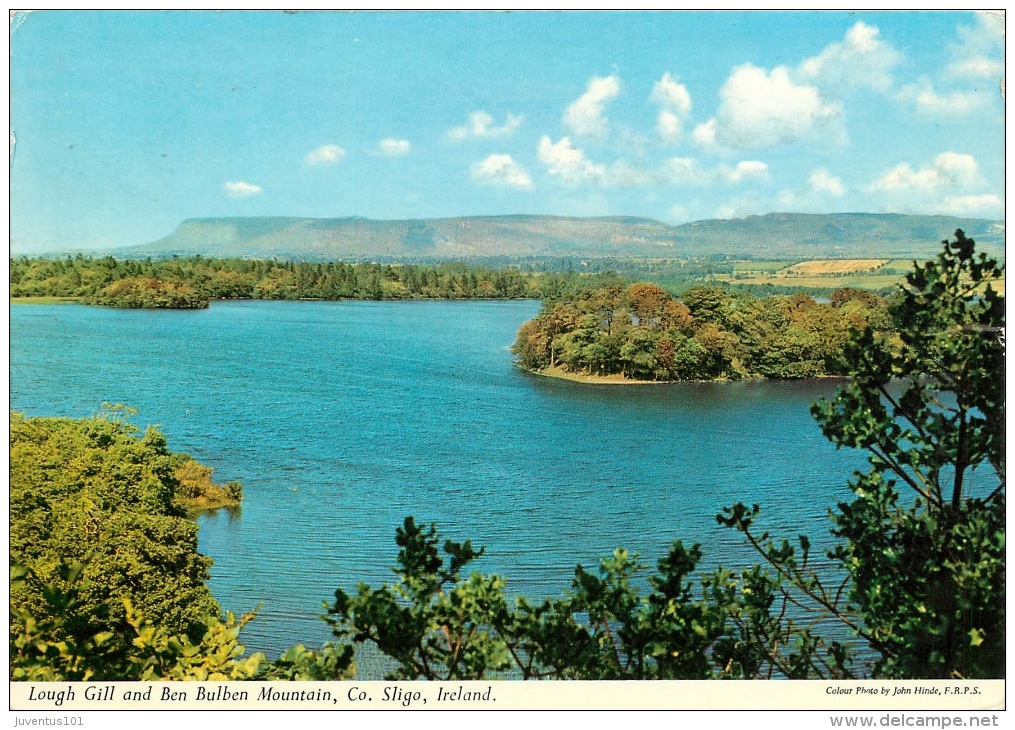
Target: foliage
point(928, 575)
point(157, 654)
point(642, 332)
point(58, 642)
point(191, 282)
point(925, 574)
point(434, 623)
point(148, 293)
point(97, 492)
point(106, 581)
point(330, 662)
point(197, 492)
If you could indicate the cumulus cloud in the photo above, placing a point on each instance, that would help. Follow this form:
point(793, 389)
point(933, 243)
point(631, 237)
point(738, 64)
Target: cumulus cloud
point(816, 195)
point(946, 186)
point(985, 205)
point(675, 103)
point(327, 154)
point(393, 147)
point(501, 170)
point(977, 67)
point(565, 161)
point(570, 165)
point(481, 124)
point(687, 171)
point(760, 108)
point(949, 169)
point(746, 170)
point(860, 60)
point(985, 35)
point(970, 80)
point(927, 100)
point(240, 189)
point(822, 181)
point(704, 134)
point(671, 94)
point(584, 117)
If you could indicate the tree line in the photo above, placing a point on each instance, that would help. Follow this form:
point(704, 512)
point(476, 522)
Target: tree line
point(107, 583)
point(193, 281)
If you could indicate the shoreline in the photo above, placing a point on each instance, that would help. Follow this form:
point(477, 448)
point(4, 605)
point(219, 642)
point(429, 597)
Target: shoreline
point(45, 300)
point(618, 379)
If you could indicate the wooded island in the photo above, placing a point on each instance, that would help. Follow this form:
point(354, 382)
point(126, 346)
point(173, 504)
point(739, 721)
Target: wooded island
point(642, 332)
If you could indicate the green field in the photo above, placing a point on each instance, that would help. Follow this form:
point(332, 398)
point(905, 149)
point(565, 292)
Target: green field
point(856, 281)
point(760, 266)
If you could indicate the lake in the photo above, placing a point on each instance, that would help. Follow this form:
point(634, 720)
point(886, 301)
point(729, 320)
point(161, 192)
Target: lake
point(342, 418)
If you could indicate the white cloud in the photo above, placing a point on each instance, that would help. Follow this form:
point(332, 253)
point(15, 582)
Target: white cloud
point(986, 205)
point(860, 60)
point(704, 134)
point(687, 171)
point(759, 108)
point(970, 80)
point(481, 124)
point(570, 165)
point(822, 181)
point(815, 196)
point(926, 99)
point(672, 95)
point(565, 161)
point(584, 117)
point(327, 154)
point(746, 170)
point(240, 189)
point(501, 170)
point(393, 147)
point(668, 126)
point(986, 34)
point(977, 67)
point(675, 102)
point(949, 169)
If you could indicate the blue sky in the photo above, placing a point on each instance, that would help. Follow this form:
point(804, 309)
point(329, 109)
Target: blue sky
point(127, 123)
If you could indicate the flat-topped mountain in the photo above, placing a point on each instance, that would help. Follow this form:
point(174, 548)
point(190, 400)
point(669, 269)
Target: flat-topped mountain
point(775, 235)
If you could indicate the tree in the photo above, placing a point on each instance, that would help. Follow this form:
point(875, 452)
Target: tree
point(432, 622)
point(98, 492)
point(435, 623)
point(922, 546)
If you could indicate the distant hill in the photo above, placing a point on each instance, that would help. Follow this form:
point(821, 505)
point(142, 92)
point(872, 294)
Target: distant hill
point(776, 235)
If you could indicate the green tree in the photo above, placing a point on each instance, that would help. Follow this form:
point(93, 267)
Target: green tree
point(98, 492)
point(435, 624)
point(922, 546)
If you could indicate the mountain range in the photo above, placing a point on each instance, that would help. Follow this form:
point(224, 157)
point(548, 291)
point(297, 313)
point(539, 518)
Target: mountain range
point(775, 235)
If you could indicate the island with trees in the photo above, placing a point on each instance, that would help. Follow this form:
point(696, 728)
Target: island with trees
point(641, 332)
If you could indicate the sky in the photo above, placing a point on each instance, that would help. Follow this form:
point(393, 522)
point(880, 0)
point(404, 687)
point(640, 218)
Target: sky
point(126, 123)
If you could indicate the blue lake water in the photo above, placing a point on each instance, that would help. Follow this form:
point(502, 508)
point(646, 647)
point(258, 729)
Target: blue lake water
point(342, 418)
